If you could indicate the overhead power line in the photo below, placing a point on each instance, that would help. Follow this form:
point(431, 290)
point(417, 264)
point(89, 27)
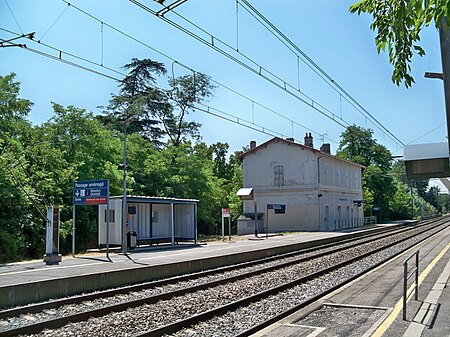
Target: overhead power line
point(203, 107)
point(103, 23)
point(271, 77)
point(314, 66)
point(252, 66)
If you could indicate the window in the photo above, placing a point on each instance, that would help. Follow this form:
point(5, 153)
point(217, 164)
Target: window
point(155, 216)
point(278, 173)
point(111, 215)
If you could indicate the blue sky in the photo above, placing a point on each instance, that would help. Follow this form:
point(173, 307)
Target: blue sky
point(339, 42)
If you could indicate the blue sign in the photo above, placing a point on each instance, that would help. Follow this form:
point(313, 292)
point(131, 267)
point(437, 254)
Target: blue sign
point(91, 192)
point(276, 206)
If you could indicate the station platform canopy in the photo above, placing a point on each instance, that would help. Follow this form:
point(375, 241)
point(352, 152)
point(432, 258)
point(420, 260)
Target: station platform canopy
point(424, 161)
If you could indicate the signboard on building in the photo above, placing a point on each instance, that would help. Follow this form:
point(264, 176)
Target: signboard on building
point(278, 208)
point(90, 192)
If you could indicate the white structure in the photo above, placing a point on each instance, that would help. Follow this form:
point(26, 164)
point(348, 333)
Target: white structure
point(152, 219)
point(425, 161)
point(320, 191)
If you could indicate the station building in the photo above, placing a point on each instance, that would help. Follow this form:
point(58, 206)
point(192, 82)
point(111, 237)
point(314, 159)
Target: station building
point(320, 192)
point(152, 219)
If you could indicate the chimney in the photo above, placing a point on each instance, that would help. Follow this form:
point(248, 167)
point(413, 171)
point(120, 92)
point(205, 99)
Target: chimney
point(252, 144)
point(326, 148)
point(309, 140)
point(290, 139)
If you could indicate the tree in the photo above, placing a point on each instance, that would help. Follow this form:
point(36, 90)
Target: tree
point(162, 112)
point(379, 186)
point(398, 24)
point(357, 145)
point(382, 188)
point(19, 219)
point(184, 92)
point(139, 96)
point(87, 151)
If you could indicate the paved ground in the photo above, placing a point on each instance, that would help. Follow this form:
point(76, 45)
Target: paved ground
point(372, 306)
point(94, 262)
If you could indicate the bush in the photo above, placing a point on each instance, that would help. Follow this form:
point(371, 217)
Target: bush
point(8, 247)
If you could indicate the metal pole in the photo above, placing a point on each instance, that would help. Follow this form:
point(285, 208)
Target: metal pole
point(124, 197)
point(417, 277)
point(256, 220)
point(107, 224)
point(73, 231)
point(229, 227)
point(405, 287)
point(437, 199)
point(318, 188)
point(445, 56)
point(223, 227)
point(173, 223)
point(195, 222)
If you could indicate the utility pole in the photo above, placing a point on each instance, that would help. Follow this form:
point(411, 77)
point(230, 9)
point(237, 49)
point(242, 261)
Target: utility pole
point(124, 197)
point(445, 56)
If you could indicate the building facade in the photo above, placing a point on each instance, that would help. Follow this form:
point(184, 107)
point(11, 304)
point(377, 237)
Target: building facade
point(320, 191)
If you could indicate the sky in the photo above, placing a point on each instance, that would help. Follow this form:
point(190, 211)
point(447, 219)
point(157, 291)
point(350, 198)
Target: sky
point(340, 43)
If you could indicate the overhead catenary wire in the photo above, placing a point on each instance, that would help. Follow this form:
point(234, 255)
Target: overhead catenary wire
point(60, 56)
point(54, 22)
point(19, 183)
point(174, 61)
point(284, 85)
point(14, 17)
point(254, 67)
point(313, 65)
point(206, 108)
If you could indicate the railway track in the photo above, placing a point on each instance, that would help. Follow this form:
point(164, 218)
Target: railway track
point(162, 304)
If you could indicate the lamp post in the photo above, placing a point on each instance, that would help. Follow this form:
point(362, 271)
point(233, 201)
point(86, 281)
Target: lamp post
point(127, 122)
point(445, 75)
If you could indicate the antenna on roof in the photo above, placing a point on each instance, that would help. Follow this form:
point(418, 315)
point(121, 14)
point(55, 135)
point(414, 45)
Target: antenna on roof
point(322, 137)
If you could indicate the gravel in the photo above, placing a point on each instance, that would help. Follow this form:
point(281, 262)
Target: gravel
point(148, 317)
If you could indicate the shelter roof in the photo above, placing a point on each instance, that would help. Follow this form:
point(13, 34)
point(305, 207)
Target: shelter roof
point(155, 200)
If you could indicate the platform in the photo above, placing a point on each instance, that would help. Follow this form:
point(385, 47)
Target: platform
point(26, 282)
point(372, 304)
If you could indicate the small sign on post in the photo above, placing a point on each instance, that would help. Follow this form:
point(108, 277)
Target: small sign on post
point(226, 214)
point(91, 192)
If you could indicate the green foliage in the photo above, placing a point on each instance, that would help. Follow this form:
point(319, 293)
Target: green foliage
point(8, 247)
point(382, 188)
point(401, 204)
point(357, 144)
point(398, 24)
point(385, 186)
point(161, 113)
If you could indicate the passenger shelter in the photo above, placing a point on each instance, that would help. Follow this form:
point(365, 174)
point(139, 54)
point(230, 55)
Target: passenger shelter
point(153, 219)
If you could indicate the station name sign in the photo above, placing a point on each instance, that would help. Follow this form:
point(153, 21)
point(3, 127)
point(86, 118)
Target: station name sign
point(91, 192)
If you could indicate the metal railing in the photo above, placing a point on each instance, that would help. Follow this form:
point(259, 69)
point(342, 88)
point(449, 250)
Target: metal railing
point(406, 277)
point(354, 222)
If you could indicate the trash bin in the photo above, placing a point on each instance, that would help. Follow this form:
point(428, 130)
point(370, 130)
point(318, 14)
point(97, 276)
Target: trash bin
point(132, 239)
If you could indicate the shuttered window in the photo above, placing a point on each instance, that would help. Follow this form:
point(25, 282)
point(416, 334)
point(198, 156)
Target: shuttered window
point(278, 173)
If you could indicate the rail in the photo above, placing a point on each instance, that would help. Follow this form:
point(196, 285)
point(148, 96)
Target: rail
point(406, 277)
